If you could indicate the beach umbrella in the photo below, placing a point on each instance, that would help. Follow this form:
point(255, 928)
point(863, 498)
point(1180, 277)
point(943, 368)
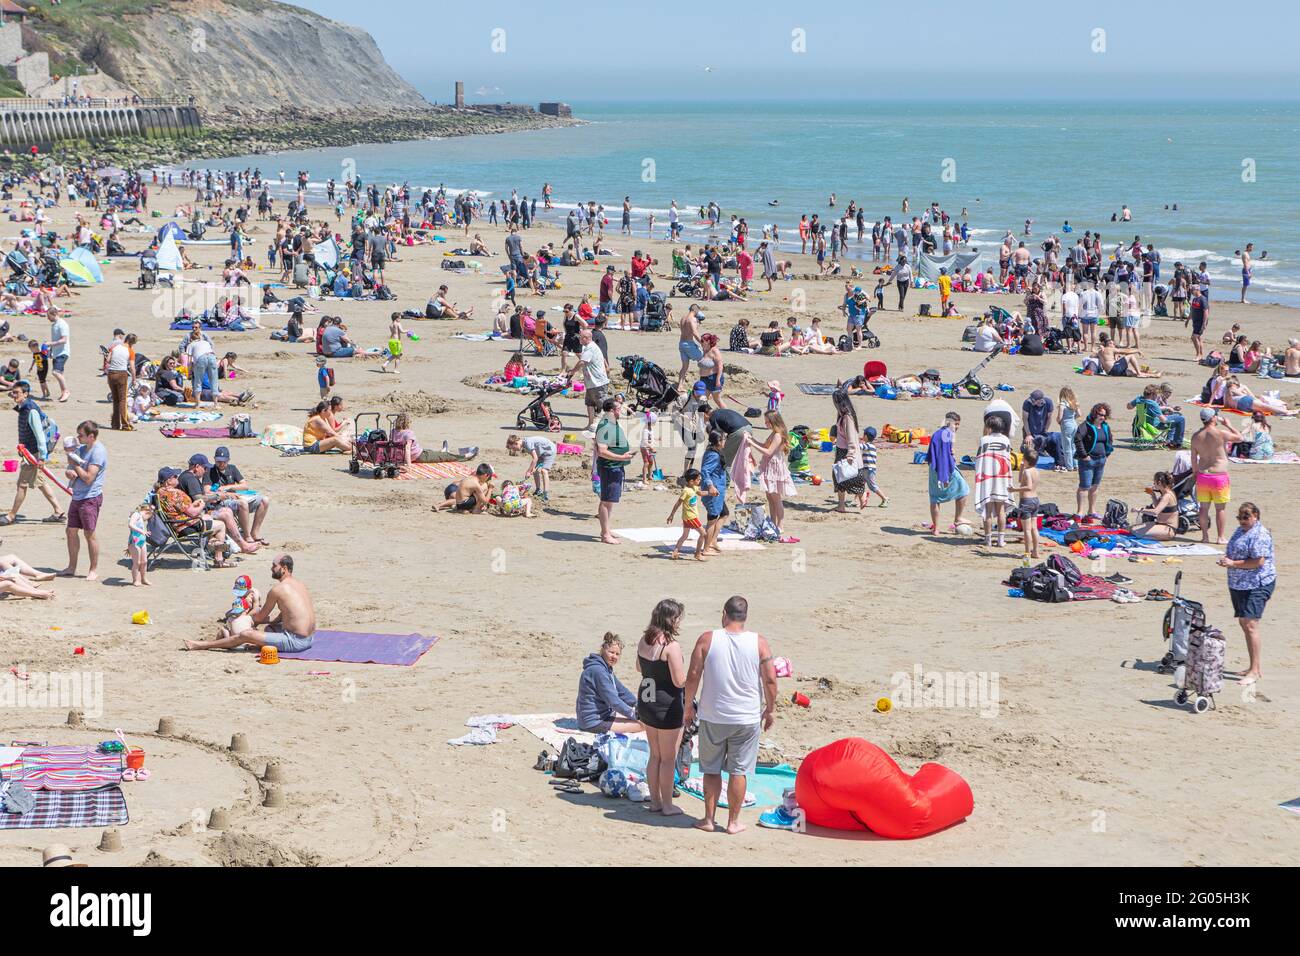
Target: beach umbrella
point(77, 273)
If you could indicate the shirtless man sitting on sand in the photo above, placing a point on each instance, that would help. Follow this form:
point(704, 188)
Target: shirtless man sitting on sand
point(1210, 464)
point(471, 493)
point(287, 621)
point(1291, 360)
point(1118, 361)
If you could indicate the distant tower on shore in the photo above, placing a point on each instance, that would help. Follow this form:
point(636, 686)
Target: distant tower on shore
point(460, 95)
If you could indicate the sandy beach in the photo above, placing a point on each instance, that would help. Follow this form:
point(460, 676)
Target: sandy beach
point(1086, 762)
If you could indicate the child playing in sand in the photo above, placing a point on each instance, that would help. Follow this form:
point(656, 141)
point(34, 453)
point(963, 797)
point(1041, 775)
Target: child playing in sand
point(324, 377)
point(512, 502)
point(41, 363)
point(138, 534)
point(869, 463)
point(1027, 488)
point(689, 502)
point(648, 465)
point(239, 617)
point(394, 353)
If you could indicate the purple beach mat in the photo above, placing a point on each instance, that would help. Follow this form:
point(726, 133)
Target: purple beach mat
point(183, 431)
point(351, 647)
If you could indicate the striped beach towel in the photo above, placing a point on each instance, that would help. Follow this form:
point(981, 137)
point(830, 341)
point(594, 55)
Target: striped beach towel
point(449, 470)
point(65, 769)
point(56, 810)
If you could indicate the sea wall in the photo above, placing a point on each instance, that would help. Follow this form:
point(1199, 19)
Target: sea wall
point(21, 128)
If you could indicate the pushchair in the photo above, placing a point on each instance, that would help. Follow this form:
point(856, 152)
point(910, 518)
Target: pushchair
point(148, 272)
point(538, 413)
point(969, 385)
point(691, 286)
point(373, 447)
point(652, 320)
point(869, 338)
point(649, 384)
point(19, 266)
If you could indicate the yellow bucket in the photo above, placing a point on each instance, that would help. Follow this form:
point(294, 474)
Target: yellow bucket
point(140, 617)
point(884, 705)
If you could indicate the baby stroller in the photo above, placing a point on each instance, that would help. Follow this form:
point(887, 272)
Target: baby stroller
point(538, 413)
point(649, 384)
point(1182, 616)
point(869, 338)
point(970, 386)
point(1189, 512)
point(653, 318)
point(373, 447)
point(148, 273)
point(691, 286)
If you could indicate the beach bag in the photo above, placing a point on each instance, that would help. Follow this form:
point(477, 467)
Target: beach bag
point(1213, 360)
point(384, 294)
point(1206, 651)
point(1116, 515)
point(241, 426)
point(845, 344)
point(156, 532)
point(621, 752)
point(1031, 344)
point(578, 762)
point(1020, 577)
point(51, 430)
point(1046, 585)
point(1066, 568)
point(844, 471)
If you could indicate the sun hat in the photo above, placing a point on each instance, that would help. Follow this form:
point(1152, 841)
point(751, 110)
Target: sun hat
point(243, 584)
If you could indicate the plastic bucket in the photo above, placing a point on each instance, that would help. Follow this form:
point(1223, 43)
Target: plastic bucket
point(11, 464)
point(828, 446)
point(135, 758)
point(519, 381)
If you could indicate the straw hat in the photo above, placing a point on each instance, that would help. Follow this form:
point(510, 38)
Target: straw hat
point(56, 854)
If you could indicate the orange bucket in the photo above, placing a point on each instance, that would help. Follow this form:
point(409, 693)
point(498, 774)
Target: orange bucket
point(135, 758)
point(268, 655)
point(924, 439)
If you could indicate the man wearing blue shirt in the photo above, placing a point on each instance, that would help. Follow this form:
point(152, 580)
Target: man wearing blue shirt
point(31, 436)
point(86, 467)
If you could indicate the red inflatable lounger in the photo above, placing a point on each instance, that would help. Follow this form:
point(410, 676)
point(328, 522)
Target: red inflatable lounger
point(852, 785)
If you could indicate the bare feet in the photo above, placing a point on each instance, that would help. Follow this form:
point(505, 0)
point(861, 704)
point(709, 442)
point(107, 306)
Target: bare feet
point(705, 825)
point(92, 576)
point(192, 646)
point(611, 540)
point(672, 810)
point(736, 827)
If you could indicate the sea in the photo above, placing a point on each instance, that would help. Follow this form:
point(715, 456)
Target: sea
point(1201, 179)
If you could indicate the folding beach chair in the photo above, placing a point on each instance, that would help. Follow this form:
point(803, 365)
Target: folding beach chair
point(191, 543)
point(1148, 434)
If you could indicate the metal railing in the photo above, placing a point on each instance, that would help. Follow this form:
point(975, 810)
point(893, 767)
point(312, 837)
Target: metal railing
point(92, 102)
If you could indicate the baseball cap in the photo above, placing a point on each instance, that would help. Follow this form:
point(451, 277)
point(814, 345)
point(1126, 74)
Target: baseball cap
point(869, 433)
point(165, 473)
point(221, 454)
point(700, 388)
point(200, 460)
point(243, 584)
point(1207, 414)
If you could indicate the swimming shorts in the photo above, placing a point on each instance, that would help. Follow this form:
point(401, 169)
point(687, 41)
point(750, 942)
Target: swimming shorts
point(1213, 489)
point(690, 351)
point(729, 747)
point(286, 641)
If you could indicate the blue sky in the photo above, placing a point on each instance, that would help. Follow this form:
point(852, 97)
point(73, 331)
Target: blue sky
point(619, 50)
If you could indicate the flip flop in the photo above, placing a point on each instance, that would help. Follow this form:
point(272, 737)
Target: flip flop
point(128, 775)
point(1159, 594)
point(55, 519)
point(142, 775)
point(6, 520)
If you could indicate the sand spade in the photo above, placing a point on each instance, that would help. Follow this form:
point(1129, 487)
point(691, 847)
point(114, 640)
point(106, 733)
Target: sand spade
point(133, 758)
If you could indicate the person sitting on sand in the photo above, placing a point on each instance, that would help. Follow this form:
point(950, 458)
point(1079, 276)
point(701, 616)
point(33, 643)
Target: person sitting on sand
point(1241, 398)
point(1291, 360)
point(472, 493)
point(1159, 520)
point(1118, 361)
point(604, 705)
point(477, 247)
point(320, 436)
point(286, 621)
point(15, 573)
point(439, 307)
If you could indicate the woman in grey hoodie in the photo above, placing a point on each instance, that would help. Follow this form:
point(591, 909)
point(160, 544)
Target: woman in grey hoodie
point(604, 704)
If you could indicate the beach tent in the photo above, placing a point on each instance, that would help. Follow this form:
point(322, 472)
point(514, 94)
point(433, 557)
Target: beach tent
point(327, 254)
point(169, 255)
point(87, 259)
point(173, 230)
point(928, 266)
point(77, 273)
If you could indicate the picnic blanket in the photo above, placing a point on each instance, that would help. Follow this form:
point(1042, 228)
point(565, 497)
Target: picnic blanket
point(1098, 589)
point(1279, 458)
point(179, 431)
point(447, 470)
point(64, 768)
point(474, 336)
point(816, 388)
point(668, 534)
point(184, 325)
point(63, 810)
point(352, 647)
point(1224, 408)
point(282, 436)
point(554, 729)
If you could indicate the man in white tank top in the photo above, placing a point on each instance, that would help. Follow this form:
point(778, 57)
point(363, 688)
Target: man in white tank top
point(737, 701)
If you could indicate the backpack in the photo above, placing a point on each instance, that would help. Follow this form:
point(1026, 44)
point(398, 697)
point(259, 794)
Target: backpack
point(51, 430)
point(578, 762)
point(1046, 585)
point(1032, 344)
point(1116, 515)
point(1066, 568)
point(845, 344)
point(384, 294)
point(241, 426)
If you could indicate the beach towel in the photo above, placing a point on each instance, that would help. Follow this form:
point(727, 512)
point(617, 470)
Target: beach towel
point(764, 788)
point(816, 389)
point(282, 436)
point(668, 534)
point(1098, 589)
point(554, 729)
point(448, 470)
point(66, 769)
point(182, 417)
point(1176, 550)
point(184, 325)
point(351, 647)
point(1279, 458)
point(65, 810)
point(485, 730)
point(176, 431)
point(473, 336)
point(1223, 408)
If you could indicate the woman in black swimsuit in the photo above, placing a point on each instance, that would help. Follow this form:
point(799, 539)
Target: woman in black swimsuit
point(1160, 519)
point(661, 700)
